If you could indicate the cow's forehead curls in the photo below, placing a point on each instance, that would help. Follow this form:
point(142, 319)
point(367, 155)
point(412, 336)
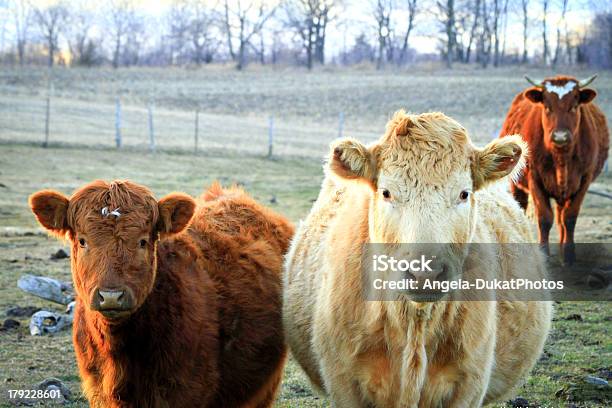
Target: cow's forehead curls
point(112, 201)
point(429, 146)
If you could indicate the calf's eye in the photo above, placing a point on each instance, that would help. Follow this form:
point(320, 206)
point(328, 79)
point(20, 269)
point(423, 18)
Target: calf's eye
point(464, 195)
point(143, 243)
point(82, 243)
point(386, 193)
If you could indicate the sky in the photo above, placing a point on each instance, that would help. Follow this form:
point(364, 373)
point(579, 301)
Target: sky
point(355, 16)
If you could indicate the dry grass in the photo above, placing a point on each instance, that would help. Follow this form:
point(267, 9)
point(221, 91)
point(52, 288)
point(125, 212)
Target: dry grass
point(235, 106)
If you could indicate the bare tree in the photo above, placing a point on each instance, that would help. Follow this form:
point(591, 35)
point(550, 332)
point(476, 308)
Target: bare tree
point(321, 21)
point(544, 31)
point(51, 20)
point(559, 23)
point(135, 39)
point(525, 8)
point(78, 33)
point(179, 20)
point(411, 7)
point(495, 31)
point(122, 20)
point(475, 21)
point(504, 22)
point(228, 30)
point(4, 21)
point(200, 31)
point(381, 12)
point(308, 19)
point(243, 23)
point(22, 18)
point(484, 39)
point(447, 18)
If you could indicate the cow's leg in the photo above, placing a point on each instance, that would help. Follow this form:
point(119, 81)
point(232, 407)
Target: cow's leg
point(559, 221)
point(544, 214)
point(343, 391)
point(569, 218)
point(520, 195)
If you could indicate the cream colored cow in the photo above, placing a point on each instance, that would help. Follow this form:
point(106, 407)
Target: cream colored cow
point(423, 181)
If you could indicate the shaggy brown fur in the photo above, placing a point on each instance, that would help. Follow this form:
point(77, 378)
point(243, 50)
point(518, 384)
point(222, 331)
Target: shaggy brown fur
point(201, 325)
point(559, 171)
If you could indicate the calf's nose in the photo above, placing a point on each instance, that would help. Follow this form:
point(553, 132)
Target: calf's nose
point(111, 299)
point(561, 137)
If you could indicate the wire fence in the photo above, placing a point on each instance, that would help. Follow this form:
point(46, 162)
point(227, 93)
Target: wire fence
point(54, 120)
point(123, 124)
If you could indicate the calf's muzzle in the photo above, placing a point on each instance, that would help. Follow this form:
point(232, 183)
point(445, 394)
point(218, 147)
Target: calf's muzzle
point(105, 300)
point(561, 137)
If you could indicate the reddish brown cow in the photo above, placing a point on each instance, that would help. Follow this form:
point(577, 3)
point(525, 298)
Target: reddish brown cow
point(173, 310)
point(568, 141)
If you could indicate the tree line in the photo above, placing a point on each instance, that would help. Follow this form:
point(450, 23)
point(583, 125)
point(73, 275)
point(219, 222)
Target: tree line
point(381, 32)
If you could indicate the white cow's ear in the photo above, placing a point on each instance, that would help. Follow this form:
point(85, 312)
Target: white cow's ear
point(349, 159)
point(500, 158)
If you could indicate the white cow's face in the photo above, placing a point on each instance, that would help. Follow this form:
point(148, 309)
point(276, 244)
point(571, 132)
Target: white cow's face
point(410, 211)
point(423, 173)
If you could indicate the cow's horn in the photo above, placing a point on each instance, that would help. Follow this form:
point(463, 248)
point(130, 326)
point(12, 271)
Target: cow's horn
point(587, 81)
point(534, 83)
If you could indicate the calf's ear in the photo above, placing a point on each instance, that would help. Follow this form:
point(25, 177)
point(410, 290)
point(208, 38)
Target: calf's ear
point(175, 213)
point(51, 211)
point(534, 95)
point(500, 158)
point(349, 159)
point(587, 95)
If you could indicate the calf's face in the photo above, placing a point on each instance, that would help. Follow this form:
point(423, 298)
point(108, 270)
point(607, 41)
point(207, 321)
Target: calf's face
point(113, 229)
point(560, 100)
point(423, 174)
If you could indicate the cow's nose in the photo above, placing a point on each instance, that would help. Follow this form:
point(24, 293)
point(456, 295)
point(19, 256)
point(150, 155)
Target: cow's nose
point(561, 137)
point(438, 273)
point(111, 299)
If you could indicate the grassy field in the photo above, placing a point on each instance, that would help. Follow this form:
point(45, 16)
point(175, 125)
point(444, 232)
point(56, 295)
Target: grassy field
point(307, 106)
point(235, 106)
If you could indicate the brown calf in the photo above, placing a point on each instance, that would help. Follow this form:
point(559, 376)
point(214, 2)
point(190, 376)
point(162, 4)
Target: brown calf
point(568, 141)
point(177, 306)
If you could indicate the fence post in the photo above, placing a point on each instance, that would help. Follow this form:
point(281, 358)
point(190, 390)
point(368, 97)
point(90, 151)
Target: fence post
point(270, 135)
point(151, 129)
point(606, 167)
point(340, 124)
point(118, 123)
point(197, 126)
point(47, 117)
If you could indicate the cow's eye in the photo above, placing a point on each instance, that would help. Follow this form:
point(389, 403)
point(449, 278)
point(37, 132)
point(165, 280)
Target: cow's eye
point(143, 243)
point(82, 243)
point(464, 195)
point(386, 194)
